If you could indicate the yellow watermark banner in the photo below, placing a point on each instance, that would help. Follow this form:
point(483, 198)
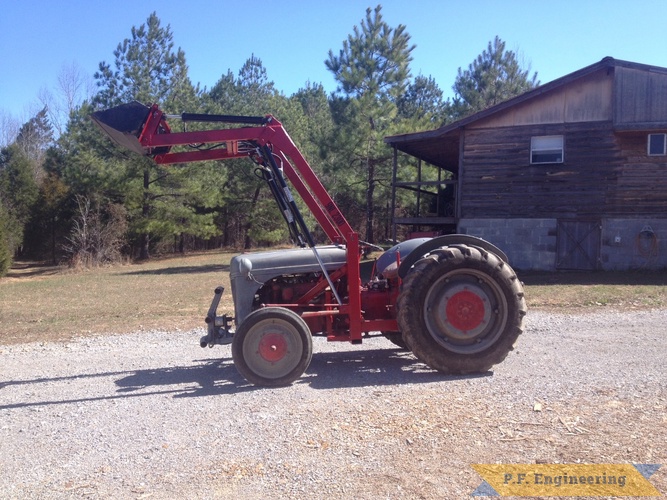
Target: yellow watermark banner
point(612, 480)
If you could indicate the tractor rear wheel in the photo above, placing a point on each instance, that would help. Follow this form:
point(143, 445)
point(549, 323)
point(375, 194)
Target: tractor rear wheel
point(461, 309)
point(396, 338)
point(272, 347)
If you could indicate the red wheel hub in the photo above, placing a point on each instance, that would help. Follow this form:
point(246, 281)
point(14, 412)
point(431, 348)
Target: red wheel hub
point(465, 310)
point(273, 347)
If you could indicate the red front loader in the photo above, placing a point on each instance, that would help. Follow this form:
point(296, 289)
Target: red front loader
point(454, 301)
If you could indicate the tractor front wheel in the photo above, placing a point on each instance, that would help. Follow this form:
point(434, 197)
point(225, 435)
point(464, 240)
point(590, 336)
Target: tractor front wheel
point(461, 309)
point(272, 347)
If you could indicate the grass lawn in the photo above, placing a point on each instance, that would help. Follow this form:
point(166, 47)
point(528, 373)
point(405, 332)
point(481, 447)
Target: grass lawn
point(49, 303)
point(46, 303)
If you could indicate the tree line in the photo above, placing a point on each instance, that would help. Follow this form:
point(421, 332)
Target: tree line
point(68, 194)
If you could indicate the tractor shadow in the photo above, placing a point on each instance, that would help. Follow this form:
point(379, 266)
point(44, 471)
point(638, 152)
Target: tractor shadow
point(327, 370)
point(201, 378)
point(372, 367)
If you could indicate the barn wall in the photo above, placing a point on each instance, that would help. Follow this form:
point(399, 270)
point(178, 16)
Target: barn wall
point(641, 180)
point(640, 97)
point(531, 244)
point(634, 244)
point(588, 99)
point(605, 173)
point(499, 181)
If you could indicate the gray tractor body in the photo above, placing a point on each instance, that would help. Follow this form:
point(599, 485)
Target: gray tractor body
point(248, 272)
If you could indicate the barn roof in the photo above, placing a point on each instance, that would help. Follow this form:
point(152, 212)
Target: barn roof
point(440, 147)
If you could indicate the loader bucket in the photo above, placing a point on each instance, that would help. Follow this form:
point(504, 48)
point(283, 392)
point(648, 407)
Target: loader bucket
point(123, 124)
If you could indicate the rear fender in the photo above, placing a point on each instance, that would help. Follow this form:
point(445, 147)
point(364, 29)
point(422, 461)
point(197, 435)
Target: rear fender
point(387, 262)
point(442, 241)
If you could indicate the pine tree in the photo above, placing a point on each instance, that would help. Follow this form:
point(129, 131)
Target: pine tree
point(315, 132)
point(422, 104)
point(33, 140)
point(18, 193)
point(147, 69)
point(5, 250)
point(246, 210)
point(22, 178)
point(374, 60)
point(493, 77)
point(372, 71)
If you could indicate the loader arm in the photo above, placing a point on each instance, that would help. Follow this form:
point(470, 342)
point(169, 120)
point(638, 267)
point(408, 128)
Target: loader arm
point(145, 130)
point(269, 140)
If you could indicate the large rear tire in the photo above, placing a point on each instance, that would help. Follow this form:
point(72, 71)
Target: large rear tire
point(396, 338)
point(461, 309)
point(272, 347)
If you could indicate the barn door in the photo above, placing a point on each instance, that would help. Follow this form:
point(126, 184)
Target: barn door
point(578, 244)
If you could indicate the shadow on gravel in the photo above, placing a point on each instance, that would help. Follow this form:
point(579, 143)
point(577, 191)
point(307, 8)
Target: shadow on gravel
point(328, 370)
point(207, 378)
point(203, 379)
point(371, 367)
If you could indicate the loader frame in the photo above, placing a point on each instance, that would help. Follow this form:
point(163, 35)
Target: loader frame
point(268, 144)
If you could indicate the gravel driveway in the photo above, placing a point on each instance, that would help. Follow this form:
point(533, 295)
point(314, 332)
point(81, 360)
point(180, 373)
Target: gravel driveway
point(151, 414)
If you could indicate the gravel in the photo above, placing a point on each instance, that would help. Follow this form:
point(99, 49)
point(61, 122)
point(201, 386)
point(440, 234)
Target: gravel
point(151, 414)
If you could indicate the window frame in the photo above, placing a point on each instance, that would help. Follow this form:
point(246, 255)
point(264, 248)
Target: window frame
point(664, 145)
point(534, 150)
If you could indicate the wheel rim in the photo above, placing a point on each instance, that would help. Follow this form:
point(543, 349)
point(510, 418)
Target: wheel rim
point(465, 311)
point(272, 348)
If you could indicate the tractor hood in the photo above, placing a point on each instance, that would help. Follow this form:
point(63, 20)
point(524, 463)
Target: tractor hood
point(248, 272)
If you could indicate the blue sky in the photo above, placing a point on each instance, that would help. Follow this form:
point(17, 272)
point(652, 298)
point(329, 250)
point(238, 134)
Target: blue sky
point(293, 37)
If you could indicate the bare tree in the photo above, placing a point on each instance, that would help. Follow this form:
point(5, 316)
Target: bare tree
point(9, 128)
point(97, 236)
point(73, 86)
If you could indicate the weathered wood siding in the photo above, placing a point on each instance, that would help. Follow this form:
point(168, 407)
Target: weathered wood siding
point(587, 99)
point(499, 181)
point(641, 180)
point(605, 173)
point(640, 98)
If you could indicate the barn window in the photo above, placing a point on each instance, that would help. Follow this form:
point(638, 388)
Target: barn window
point(546, 149)
point(657, 144)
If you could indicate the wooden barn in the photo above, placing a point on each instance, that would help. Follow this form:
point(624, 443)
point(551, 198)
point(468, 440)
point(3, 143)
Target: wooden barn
point(571, 175)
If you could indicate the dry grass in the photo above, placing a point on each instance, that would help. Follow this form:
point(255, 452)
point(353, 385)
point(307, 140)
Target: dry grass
point(576, 290)
point(48, 303)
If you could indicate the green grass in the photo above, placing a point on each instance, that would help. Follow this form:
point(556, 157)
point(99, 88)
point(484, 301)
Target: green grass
point(41, 303)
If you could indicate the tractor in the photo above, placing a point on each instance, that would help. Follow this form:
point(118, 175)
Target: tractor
point(453, 300)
